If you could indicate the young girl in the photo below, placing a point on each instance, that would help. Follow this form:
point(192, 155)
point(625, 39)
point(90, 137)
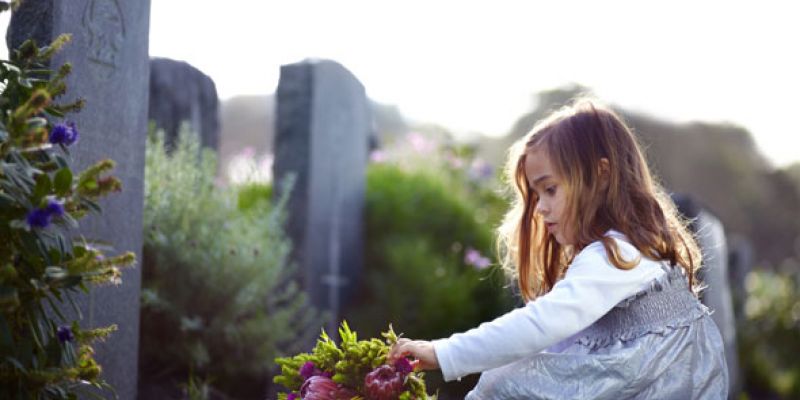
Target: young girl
point(607, 271)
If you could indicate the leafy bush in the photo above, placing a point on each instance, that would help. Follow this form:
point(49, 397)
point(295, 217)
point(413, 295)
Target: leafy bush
point(769, 337)
point(219, 298)
point(43, 354)
point(418, 231)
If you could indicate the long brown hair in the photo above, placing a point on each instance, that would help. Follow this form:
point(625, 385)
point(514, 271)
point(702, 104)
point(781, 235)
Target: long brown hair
point(627, 199)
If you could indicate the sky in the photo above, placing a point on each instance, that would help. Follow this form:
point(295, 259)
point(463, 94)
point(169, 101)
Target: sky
point(475, 67)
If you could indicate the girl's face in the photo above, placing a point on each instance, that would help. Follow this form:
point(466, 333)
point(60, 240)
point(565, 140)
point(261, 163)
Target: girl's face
point(551, 191)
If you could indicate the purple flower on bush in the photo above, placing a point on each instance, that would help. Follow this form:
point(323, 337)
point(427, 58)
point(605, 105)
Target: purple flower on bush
point(293, 396)
point(66, 134)
point(54, 208)
point(40, 217)
point(64, 334)
point(474, 258)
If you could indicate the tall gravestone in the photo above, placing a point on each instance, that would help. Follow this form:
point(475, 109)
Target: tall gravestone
point(321, 139)
point(181, 93)
point(109, 55)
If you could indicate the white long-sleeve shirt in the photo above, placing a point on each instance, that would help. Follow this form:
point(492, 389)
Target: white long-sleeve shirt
point(591, 287)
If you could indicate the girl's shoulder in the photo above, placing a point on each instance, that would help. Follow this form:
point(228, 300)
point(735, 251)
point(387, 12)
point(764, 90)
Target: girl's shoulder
point(597, 249)
point(595, 257)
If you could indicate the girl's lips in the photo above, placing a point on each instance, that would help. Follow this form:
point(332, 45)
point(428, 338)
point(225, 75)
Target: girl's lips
point(550, 226)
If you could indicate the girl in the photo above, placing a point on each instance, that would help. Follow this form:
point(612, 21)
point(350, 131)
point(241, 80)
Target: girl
point(607, 270)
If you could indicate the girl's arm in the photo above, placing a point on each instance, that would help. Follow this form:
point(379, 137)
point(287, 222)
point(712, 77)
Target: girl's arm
point(591, 287)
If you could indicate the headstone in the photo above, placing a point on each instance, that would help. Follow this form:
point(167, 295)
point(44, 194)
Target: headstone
point(109, 55)
point(710, 234)
point(180, 93)
point(323, 121)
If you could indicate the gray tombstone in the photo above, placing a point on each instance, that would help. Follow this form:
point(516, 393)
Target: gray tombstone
point(109, 56)
point(181, 93)
point(323, 122)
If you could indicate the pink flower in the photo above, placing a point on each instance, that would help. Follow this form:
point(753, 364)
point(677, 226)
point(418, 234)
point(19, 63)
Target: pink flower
point(480, 170)
point(377, 156)
point(476, 259)
point(384, 383)
point(420, 143)
point(454, 160)
point(324, 388)
point(248, 152)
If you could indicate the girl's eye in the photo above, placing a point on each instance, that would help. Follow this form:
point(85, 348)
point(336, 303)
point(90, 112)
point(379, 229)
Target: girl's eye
point(551, 190)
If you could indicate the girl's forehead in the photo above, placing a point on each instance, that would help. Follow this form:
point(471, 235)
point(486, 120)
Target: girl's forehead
point(537, 165)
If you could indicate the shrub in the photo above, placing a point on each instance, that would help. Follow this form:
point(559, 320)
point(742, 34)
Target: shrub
point(43, 353)
point(769, 337)
point(219, 298)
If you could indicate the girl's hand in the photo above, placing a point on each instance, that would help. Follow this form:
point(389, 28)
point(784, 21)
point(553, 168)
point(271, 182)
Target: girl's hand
point(419, 349)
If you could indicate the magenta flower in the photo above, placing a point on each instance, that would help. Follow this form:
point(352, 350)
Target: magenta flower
point(403, 366)
point(307, 370)
point(293, 396)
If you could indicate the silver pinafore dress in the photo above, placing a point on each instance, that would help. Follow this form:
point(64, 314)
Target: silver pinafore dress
point(658, 344)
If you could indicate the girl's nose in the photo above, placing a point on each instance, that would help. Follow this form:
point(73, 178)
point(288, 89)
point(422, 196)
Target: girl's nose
point(541, 207)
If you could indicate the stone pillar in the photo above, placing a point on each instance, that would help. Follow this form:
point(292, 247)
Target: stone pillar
point(109, 55)
point(321, 137)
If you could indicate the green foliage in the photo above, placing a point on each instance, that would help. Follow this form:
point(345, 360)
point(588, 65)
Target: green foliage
point(43, 354)
point(418, 226)
point(769, 338)
point(217, 285)
point(349, 362)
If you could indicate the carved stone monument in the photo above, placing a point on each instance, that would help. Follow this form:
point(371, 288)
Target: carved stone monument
point(109, 55)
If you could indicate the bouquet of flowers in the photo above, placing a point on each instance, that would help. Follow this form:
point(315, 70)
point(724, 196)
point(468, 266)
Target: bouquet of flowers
point(353, 370)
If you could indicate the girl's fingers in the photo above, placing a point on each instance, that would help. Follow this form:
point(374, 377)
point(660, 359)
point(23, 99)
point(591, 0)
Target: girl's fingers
point(398, 349)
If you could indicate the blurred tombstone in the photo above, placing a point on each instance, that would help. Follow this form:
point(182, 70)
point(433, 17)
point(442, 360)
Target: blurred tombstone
point(740, 259)
point(180, 93)
point(108, 53)
point(717, 296)
point(323, 122)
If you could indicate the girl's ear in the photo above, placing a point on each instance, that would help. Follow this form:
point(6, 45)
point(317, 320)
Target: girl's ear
point(604, 172)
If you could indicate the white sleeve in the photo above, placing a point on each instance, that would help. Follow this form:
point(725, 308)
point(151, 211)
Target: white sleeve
point(591, 287)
